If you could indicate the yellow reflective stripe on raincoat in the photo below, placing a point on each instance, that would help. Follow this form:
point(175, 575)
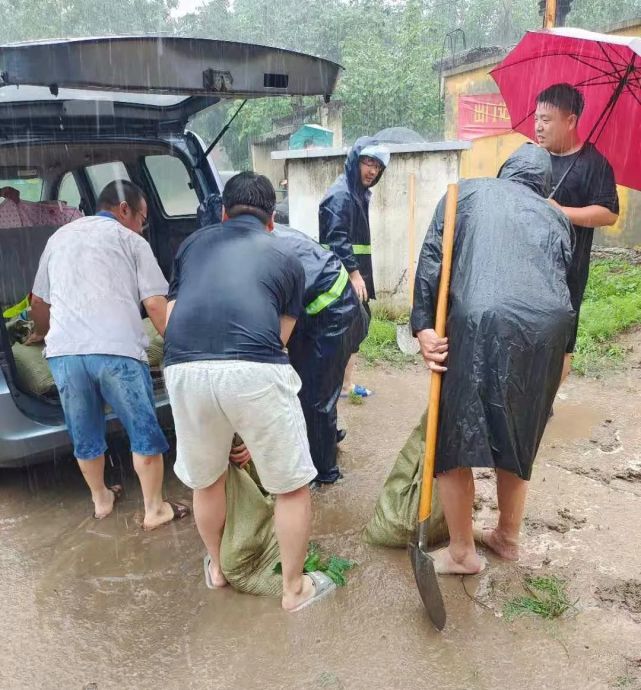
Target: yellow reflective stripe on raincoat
point(327, 298)
point(11, 312)
point(356, 248)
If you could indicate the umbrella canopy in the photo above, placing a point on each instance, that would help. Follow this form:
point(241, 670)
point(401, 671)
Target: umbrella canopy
point(607, 71)
point(399, 135)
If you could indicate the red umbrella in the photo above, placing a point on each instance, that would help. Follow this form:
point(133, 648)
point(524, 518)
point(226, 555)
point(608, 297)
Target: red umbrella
point(606, 69)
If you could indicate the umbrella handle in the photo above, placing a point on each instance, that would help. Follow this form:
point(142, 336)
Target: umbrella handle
point(431, 427)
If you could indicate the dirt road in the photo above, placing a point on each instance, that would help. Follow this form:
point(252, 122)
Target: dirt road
point(100, 605)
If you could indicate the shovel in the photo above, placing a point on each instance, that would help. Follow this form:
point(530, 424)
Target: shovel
point(405, 339)
point(422, 562)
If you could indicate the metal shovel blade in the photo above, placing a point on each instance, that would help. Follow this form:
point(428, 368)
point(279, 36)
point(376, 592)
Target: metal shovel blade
point(427, 583)
point(405, 340)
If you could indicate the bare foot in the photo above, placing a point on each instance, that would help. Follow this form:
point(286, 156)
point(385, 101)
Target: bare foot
point(446, 564)
point(307, 591)
point(104, 501)
point(164, 515)
point(495, 541)
point(218, 580)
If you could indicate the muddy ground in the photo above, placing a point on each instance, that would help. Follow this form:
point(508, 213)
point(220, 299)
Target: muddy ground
point(97, 605)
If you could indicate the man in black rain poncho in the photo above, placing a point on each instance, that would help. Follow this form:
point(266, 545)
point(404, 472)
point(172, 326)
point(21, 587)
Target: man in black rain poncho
point(332, 327)
point(343, 223)
point(509, 322)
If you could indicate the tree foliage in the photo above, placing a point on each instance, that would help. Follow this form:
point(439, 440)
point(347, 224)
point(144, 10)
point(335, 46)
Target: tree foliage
point(22, 20)
point(388, 47)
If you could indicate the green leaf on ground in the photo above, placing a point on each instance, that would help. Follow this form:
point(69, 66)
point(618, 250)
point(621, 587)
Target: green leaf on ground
point(547, 597)
point(334, 567)
point(354, 398)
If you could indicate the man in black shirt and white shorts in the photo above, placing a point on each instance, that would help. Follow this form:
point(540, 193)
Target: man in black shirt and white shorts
point(587, 195)
point(233, 302)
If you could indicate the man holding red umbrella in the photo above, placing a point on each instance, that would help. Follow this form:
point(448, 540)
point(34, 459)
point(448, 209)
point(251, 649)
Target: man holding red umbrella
point(544, 81)
point(587, 194)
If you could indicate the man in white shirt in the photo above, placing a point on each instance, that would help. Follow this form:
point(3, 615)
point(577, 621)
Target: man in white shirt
point(93, 275)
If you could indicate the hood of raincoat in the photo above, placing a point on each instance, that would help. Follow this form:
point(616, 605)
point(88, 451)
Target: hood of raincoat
point(529, 165)
point(352, 168)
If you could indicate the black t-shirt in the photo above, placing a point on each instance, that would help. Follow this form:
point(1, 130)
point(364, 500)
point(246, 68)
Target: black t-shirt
point(589, 183)
point(232, 283)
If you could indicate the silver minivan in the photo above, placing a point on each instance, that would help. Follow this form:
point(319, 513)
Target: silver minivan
point(75, 115)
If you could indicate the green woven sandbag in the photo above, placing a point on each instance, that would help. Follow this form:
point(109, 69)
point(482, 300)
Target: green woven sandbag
point(33, 371)
point(394, 520)
point(249, 550)
point(155, 349)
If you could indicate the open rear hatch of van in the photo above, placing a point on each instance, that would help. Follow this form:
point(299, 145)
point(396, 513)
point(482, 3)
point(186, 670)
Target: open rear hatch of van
point(98, 89)
point(144, 82)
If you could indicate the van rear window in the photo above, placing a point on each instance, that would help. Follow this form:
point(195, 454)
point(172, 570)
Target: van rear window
point(173, 185)
point(30, 189)
point(102, 174)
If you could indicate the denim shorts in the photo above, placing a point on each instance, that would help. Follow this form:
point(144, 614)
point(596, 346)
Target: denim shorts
point(87, 383)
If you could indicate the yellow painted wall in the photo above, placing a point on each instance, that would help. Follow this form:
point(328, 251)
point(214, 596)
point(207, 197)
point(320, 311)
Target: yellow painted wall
point(488, 153)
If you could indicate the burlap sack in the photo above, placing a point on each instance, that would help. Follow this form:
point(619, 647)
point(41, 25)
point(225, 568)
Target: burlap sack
point(155, 348)
point(394, 521)
point(249, 550)
point(33, 371)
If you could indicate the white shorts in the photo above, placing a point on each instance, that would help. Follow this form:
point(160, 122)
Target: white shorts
point(211, 400)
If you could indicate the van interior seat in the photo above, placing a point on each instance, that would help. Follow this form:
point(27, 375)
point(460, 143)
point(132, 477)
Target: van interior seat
point(20, 251)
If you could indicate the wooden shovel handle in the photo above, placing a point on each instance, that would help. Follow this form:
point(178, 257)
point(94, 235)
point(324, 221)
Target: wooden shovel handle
point(425, 502)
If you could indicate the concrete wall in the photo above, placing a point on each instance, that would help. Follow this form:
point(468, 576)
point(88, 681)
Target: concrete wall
point(311, 173)
point(263, 163)
point(487, 154)
point(331, 115)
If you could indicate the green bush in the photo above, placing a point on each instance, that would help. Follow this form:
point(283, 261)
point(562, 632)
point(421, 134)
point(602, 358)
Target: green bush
point(611, 305)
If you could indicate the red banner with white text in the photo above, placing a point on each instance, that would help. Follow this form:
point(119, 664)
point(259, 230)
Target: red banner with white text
point(482, 115)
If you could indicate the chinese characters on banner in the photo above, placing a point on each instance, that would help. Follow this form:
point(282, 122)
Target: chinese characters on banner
point(482, 115)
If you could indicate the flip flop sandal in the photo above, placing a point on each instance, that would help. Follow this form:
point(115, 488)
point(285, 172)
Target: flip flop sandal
point(323, 585)
point(116, 490)
point(208, 580)
point(180, 511)
point(359, 390)
point(362, 391)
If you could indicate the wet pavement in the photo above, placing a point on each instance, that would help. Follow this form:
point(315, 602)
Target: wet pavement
point(96, 605)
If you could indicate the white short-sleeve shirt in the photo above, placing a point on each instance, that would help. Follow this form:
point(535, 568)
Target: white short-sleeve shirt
point(94, 273)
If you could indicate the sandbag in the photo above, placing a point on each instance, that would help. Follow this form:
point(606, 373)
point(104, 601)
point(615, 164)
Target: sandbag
point(32, 369)
point(394, 520)
point(155, 348)
point(249, 550)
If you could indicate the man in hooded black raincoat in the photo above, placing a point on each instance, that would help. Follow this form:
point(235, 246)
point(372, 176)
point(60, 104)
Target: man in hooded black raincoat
point(343, 222)
point(510, 319)
point(332, 327)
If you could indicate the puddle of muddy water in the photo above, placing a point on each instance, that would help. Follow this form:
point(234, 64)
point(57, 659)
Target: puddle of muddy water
point(572, 421)
point(102, 603)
